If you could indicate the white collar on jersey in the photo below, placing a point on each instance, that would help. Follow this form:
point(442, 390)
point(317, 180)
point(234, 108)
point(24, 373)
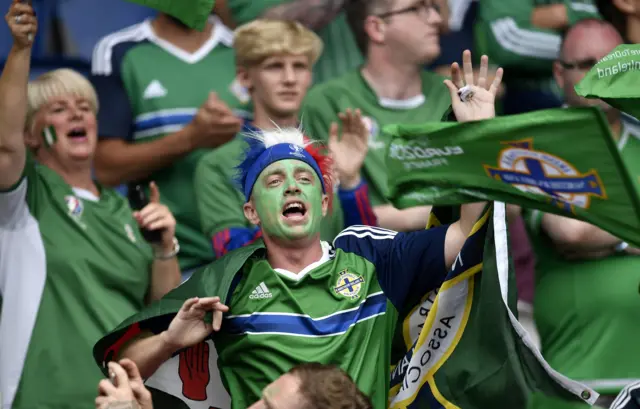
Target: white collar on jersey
point(221, 34)
point(85, 194)
point(409, 103)
point(327, 254)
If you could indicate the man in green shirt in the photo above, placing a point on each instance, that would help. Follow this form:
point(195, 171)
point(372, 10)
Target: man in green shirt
point(586, 304)
point(171, 96)
point(398, 38)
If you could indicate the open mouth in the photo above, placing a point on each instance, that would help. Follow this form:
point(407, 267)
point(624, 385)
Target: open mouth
point(294, 210)
point(77, 133)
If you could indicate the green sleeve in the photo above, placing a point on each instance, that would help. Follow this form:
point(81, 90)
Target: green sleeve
point(219, 201)
point(318, 111)
point(504, 32)
point(581, 9)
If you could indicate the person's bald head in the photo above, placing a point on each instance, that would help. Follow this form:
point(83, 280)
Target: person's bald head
point(584, 44)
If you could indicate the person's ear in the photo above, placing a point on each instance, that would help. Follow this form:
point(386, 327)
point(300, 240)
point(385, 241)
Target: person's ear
point(250, 213)
point(243, 77)
point(375, 28)
point(558, 74)
point(325, 205)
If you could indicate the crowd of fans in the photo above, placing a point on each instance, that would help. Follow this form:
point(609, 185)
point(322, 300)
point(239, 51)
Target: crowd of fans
point(117, 187)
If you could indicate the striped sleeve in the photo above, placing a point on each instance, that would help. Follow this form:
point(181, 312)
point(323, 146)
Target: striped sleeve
point(356, 206)
point(506, 35)
point(628, 398)
point(115, 119)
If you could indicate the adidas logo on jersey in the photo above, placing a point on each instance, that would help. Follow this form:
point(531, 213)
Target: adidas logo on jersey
point(260, 292)
point(154, 90)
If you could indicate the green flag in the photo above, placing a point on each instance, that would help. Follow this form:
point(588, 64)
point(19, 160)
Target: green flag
point(465, 347)
point(616, 80)
point(193, 13)
point(561, 161)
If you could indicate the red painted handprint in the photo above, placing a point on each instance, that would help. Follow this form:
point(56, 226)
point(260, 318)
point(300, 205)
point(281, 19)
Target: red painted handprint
point(193, 369)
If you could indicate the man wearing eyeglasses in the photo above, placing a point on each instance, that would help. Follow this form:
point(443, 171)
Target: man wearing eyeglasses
point(587, 305)
point(398, 38)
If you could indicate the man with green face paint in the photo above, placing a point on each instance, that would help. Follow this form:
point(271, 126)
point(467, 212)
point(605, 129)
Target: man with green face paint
point(290, 297)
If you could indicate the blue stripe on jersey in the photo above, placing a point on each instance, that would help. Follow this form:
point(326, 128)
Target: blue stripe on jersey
point(303, 325)
point(155, 121)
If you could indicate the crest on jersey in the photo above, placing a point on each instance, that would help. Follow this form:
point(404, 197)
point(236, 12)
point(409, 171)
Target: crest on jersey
point(74, 206)
point(349, 284)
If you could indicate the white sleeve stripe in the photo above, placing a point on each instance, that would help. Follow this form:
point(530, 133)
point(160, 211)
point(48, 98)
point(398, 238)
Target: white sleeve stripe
point(624, 396)
point(525, 42)
point(363, 235)
point(101, 63)
point(588, 8)
point(381, 230)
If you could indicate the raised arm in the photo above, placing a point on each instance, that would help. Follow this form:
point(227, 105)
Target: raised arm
point(314, 14)
point(13, 94)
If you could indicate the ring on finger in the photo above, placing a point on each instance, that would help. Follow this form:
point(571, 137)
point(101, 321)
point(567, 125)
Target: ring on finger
point(465, 93)
point(18, 18)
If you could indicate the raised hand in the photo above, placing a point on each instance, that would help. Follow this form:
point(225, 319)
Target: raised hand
point(188, 326)
point(156, 216)
point(213, 125)
point(478, 101)
point(22, 23)
point(348, 150)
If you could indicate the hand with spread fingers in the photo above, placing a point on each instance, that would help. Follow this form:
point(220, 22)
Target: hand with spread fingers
point(349, 149)
point(23, 24)
point(473, 101)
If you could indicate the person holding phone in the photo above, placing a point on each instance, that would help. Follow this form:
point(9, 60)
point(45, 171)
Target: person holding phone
point(73, 260)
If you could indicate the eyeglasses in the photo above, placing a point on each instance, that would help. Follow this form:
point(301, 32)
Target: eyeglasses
point(423, 6)
point(583, 65)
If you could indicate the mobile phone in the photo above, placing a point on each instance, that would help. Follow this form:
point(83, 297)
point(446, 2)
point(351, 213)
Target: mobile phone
point(138, 199)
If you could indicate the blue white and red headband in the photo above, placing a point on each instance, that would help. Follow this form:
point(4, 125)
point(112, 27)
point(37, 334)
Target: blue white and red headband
point(267, 147)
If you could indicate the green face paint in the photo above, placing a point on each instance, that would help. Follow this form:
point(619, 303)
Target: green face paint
point(280, 184)
point(49, 135)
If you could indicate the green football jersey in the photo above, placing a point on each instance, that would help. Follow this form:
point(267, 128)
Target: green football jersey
point(325, 101)
point(505, 33)
point(220, 201)
point(72, 266)
point(150, 88)
point(587, 313)
point(342, 309)
point(340, 54)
